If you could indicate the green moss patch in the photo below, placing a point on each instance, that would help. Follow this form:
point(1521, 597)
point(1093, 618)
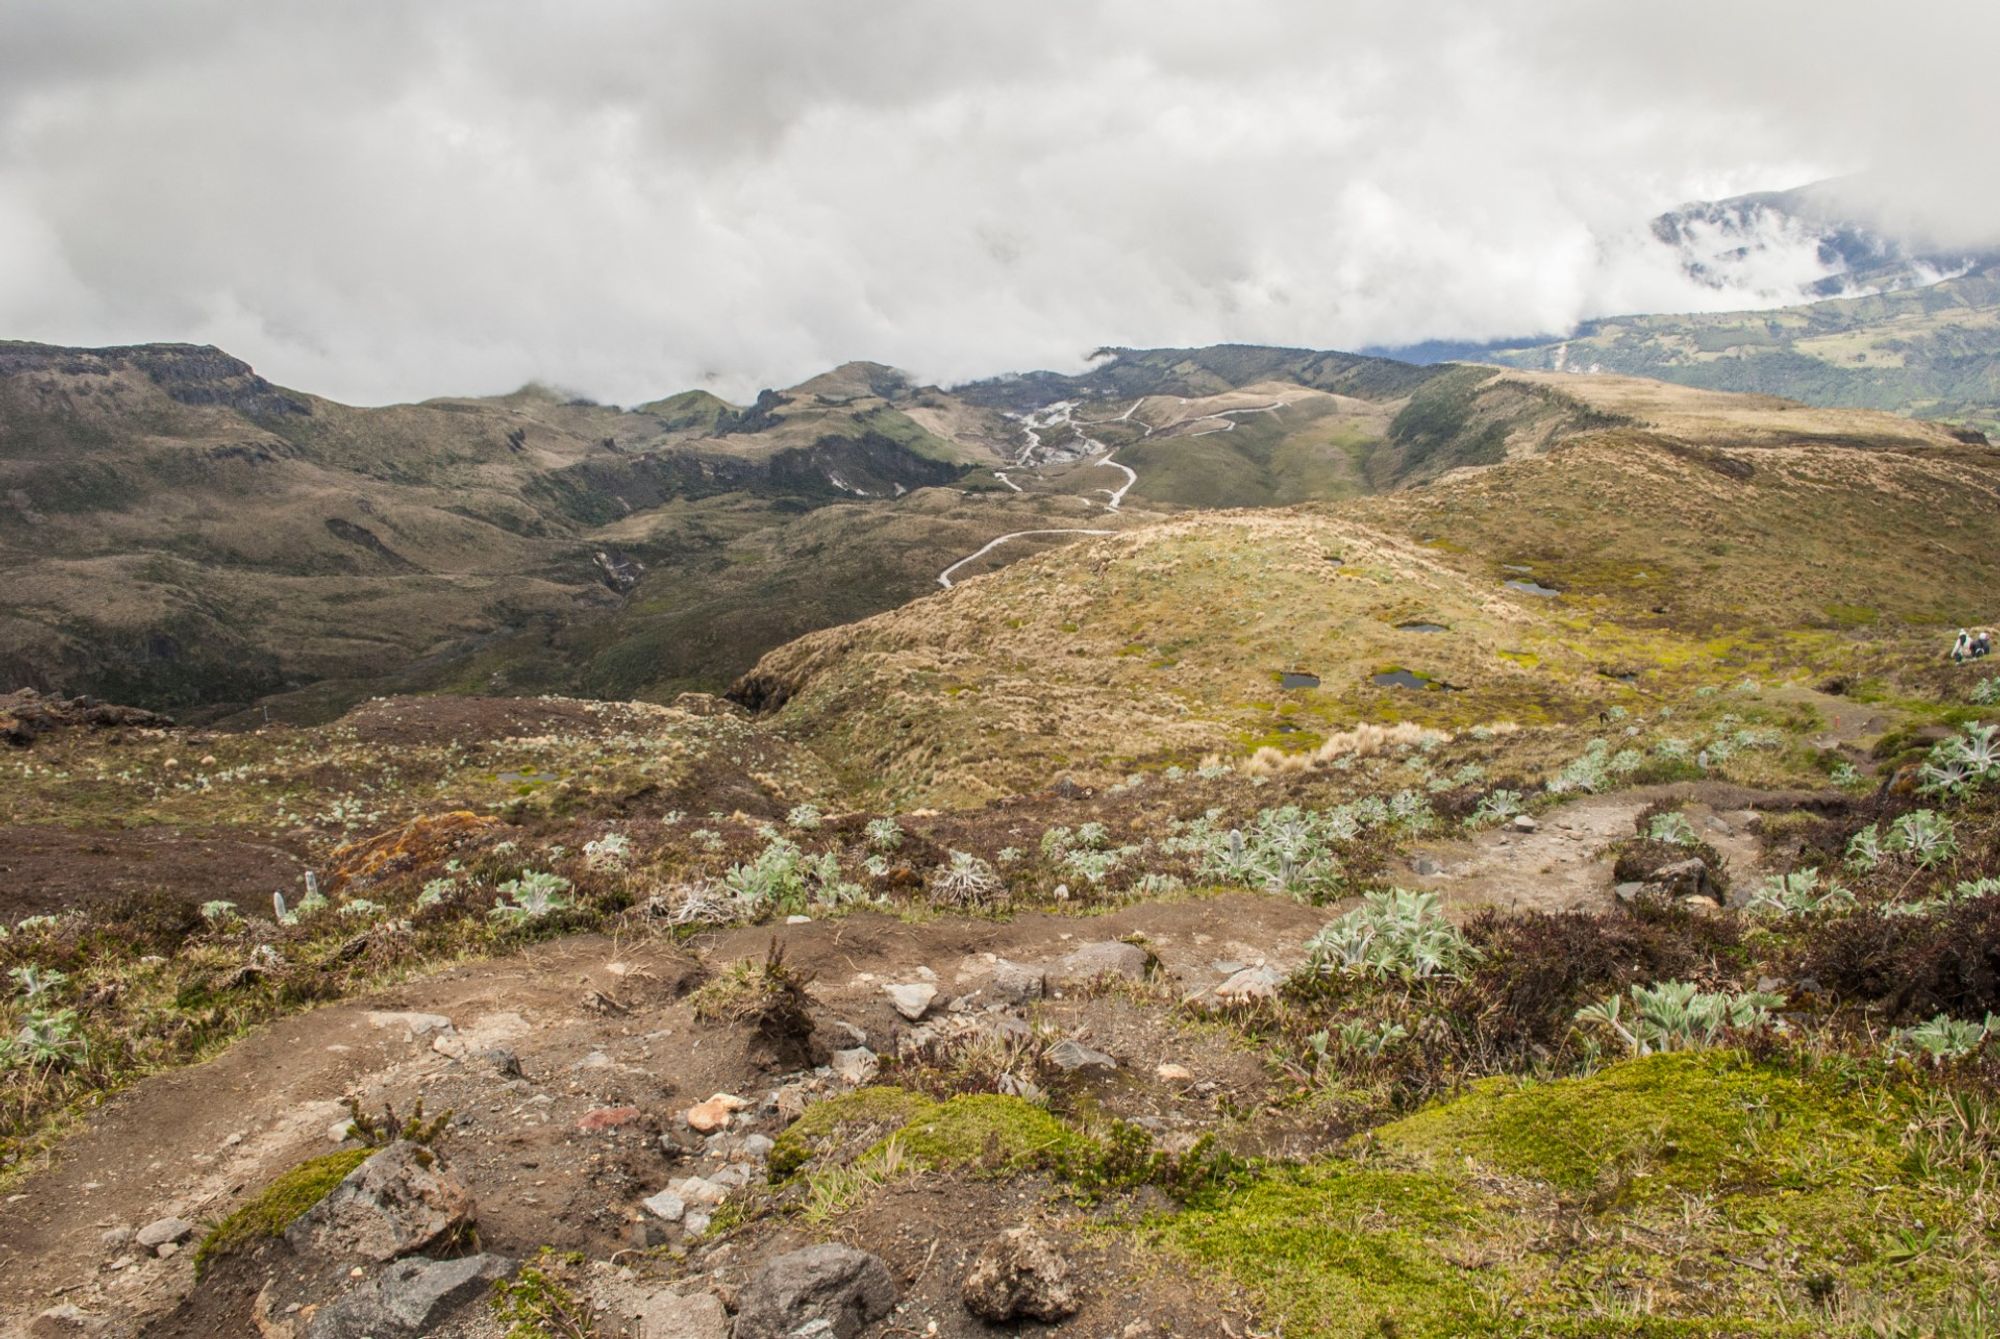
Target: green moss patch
point(279, 1205)
point(995, 1133)
point(1689, 1194)
point(1336, 1249)
point(865, 1112)
point(1660, 1124)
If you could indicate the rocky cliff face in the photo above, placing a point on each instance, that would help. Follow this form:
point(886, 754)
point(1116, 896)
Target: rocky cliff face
point(194, 374)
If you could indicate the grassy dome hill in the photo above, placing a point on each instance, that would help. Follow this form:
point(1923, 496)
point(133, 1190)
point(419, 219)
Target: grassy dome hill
point(1642, 566)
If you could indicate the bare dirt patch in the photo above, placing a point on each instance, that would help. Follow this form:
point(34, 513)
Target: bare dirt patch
point(46, 870)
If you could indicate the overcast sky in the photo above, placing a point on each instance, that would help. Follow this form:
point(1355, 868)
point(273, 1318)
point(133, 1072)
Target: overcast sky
point(381, 199)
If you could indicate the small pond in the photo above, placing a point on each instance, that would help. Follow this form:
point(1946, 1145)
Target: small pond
point(1297, 679)
point(1422, 627)
point(1403, 678)
point(1533, 588)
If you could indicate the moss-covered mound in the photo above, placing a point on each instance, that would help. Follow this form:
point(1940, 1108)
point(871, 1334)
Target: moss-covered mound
point(1686, 1194)
point(279, 1205)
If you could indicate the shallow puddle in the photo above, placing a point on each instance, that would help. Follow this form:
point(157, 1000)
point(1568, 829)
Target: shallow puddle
point(1533, 588)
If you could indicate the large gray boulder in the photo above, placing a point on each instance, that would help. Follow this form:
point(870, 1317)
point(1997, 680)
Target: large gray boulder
point(396, 1203)
point(409, 1297)
point(669, 1315)
point(1019, 1276)
point(837, 1286)
point(1111, 958)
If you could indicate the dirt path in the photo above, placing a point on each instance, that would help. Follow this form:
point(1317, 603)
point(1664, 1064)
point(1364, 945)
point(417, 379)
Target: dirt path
point(1117, 495)
point(597, 1025)
point(944, 577)
point(1560, 865)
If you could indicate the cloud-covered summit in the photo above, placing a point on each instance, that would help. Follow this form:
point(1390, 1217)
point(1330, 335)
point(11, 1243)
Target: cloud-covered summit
point(379, 200)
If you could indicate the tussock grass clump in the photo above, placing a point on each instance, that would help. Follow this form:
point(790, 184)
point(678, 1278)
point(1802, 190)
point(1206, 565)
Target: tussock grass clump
point(769, 997)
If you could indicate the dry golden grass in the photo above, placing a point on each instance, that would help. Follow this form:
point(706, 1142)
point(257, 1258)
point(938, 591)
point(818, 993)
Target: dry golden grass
point(1722, 418)
point(1679, 566)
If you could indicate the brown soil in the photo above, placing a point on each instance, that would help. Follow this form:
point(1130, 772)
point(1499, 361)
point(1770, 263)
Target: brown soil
point(1565, 863)
point(596, 1023)
point(45, 870)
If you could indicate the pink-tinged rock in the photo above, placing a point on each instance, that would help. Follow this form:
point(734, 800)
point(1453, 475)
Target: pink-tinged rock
point(609, 1118)
point(712, 1115)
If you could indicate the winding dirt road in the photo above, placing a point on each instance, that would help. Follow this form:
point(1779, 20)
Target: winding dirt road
point(944, 577)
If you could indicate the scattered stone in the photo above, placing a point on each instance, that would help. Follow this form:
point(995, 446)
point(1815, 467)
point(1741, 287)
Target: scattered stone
point(400, 1200)
point(1071, 1055)
point(798, 920)
point(912, 1001)
point(604, 1119)
point(733, 1177)
point(695, 1222)
point(1171, 1073)
point(1628, 892)
point(1113, 958)
point(838, 1285)
point(712, 1115)
point(1252, 983)
point(1427, 866)
point(1523, 823)
point(117, 1238)
point(665, 1206)
point(677, 1142)
point(757, 1147)
point(163, 1232)
point(1019, 1276)
point(856, 1066)
point(504, 1062)
point(410, 1297)
point(700, 1190)
point(668, 1315)
point(1685, 878)
point(853, 1035)
point(67, 1322)
point(417, 1025)
point(338, 1131)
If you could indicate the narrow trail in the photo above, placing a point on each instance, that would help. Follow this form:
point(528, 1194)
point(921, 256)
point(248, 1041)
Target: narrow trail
point(1561, 865)
point(1061, 414)
point(944, 577)
point(1229, 424)
point(197, 1142)
point(1117, 494)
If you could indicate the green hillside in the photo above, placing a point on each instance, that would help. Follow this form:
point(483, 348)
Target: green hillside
point(1929, 352)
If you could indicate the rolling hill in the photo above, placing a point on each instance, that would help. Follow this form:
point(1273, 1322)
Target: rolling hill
point(1677, 539)
point(181, 533)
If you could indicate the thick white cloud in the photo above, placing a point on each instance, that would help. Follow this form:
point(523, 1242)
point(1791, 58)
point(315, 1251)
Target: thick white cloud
point(380, 200)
